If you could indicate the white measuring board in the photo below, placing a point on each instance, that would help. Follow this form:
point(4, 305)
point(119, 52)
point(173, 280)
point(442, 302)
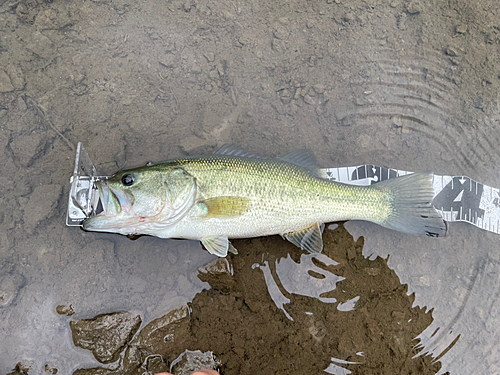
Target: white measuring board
point(457, 198)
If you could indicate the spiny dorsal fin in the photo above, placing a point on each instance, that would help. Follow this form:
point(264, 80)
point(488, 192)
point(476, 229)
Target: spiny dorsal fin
point(307, 239)
point(231, 150)
point(225, 207)
point(302, 158)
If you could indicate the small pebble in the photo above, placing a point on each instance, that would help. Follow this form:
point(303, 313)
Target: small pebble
point(309, 100)
point(210, 56)
point(5, 82)
point(65, 310)
point(320, 89)
point(461, 29)
point(450, 51)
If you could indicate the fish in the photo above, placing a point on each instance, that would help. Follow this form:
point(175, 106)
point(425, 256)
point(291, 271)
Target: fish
point(234, 194)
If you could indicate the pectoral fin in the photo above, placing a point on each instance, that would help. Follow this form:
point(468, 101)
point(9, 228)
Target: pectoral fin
point(225, 207)
point(218, 245)
point(307, 239)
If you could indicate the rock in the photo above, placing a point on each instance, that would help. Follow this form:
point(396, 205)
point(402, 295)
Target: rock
point(285, 96)
point(95, 371)
point(41, 45)
point(16, 76)
point(5, 82)
point(191, 361)
point(280, 32)
point(27, 147)
point(3, 118)
point(219, 274)
point(414, 7)
point(219, 266)
point(105, 335)
point(461, 29)
point(405, 129)
point(65, 310)
point(210, 56)
point(372, 271)
point(319, 88)
point(41, 204)
point(309, 100)
point(450, 51)
point(21, 104)
point(10, 285)
point(161, 327)
point(50, 370)
point(22, 368)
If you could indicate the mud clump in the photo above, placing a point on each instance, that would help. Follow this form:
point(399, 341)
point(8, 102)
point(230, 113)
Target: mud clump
point(105, 335)
point(240, 323)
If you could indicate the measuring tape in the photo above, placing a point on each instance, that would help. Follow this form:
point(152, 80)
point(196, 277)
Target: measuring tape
point(457, 198)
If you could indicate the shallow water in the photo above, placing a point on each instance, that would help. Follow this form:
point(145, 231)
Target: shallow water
point(409, 85)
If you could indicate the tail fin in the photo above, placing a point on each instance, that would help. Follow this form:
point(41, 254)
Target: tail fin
point(412, 211)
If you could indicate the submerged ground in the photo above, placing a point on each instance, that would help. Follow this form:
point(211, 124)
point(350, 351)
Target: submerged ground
point(409, 84)
point(240, 323)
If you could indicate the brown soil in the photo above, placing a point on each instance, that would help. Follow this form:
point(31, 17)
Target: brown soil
point(239, 322)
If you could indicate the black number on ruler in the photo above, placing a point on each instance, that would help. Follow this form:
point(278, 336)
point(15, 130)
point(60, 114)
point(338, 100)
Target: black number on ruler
point(377, 174)
point(461, 195)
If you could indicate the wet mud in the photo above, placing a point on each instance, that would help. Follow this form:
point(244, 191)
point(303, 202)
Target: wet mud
point(408, 84)
point(239, 322)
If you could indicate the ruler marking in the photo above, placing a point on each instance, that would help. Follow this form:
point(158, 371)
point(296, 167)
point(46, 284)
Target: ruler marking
point(441, 185)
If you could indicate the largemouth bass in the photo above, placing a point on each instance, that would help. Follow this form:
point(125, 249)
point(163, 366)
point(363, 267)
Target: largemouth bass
point(235, 194)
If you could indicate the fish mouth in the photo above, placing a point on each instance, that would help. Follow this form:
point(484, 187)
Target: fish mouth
point(116, 206)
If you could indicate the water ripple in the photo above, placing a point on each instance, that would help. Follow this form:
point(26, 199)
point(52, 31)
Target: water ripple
point(422, 94)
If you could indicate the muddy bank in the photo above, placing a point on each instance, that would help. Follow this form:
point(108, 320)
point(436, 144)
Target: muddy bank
point(240, 323)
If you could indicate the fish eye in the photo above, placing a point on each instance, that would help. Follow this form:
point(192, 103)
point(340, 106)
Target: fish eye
point(128, 180)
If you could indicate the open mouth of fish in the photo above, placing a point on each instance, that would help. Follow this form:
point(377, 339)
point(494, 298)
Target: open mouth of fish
point(113, 201)
point(113, 209)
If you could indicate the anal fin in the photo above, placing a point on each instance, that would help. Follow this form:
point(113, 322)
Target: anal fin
point(309, 238)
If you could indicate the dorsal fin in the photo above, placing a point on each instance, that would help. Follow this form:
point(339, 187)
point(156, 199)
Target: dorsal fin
point(304, 159)
point(231, 150)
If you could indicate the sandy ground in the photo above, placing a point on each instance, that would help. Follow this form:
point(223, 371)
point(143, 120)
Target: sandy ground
point(408, 84)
